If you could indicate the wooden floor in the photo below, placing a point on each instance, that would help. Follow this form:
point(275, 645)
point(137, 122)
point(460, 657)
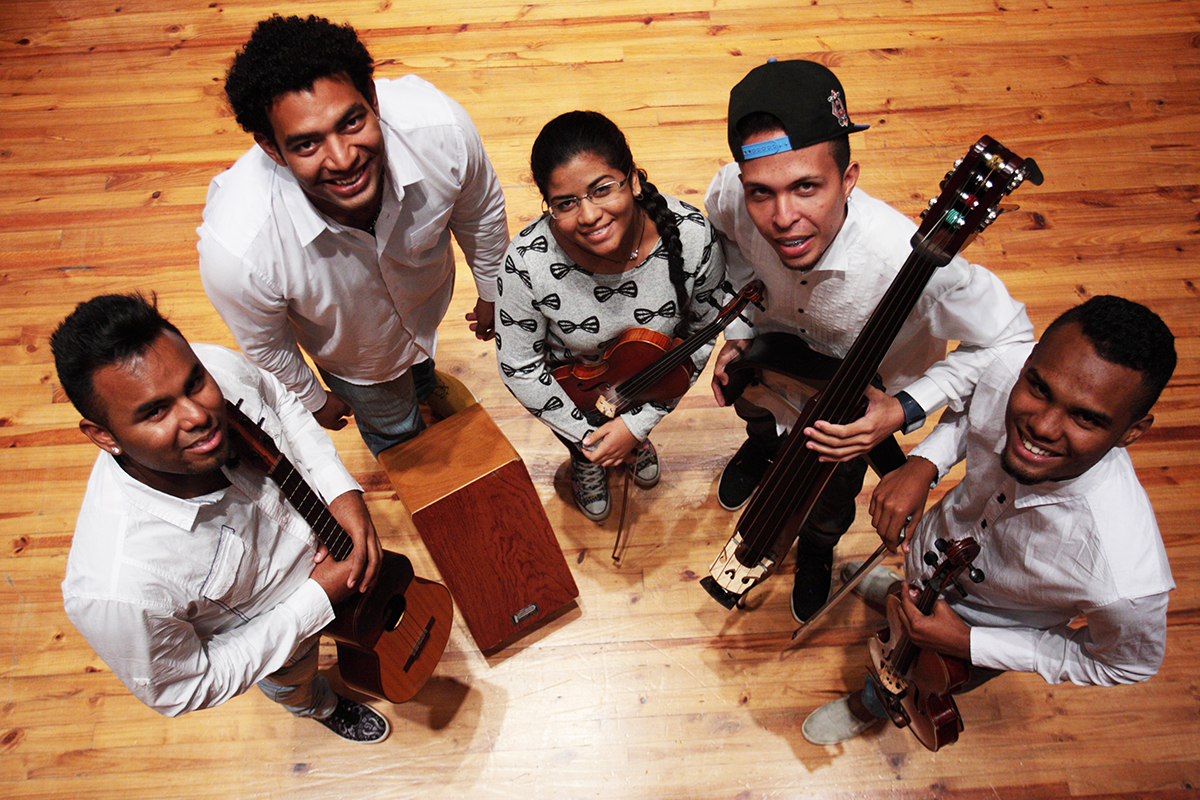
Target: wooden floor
point(113, 123)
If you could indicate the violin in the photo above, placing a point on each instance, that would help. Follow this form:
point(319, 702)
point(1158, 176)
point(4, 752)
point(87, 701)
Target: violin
point(643, 365)
point(916, 683)
point(793, 484)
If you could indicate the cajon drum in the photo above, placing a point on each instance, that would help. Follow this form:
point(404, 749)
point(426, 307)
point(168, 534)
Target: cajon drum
point(477, 512)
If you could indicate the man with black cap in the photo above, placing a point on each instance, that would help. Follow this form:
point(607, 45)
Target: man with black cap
point(789, 214)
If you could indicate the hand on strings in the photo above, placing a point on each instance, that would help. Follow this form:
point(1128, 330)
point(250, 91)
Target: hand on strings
point(884, 416)
point(899, 501)
point(610, 444)
point(363, 562)
point(730, 351)
point(483, 320)
point(333, 414)
point(943, 631)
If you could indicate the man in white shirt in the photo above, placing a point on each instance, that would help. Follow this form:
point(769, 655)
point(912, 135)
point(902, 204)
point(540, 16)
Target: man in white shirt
point(190, 575)
point(789, 214)
point(332, 235)
point(1050, 495)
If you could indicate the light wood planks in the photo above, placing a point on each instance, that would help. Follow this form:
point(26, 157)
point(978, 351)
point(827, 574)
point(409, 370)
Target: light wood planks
point(113, 124)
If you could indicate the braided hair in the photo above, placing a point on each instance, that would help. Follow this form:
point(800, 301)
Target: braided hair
point(577, 132)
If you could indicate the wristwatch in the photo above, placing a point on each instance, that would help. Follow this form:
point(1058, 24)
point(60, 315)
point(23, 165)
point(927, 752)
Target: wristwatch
point(914, 415)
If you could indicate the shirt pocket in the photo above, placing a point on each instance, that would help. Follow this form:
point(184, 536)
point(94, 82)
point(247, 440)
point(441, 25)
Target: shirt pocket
point(221, 584)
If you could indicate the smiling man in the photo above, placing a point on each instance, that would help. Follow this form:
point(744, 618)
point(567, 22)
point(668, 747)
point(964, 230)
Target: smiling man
point(790, 213)
point(191, 575)
point(332, 235)
point(1050, 495)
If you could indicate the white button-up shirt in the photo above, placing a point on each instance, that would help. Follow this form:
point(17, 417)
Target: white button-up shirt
point(1050, 553)
point(192, 601)
point(828, 305)
point(284, 277)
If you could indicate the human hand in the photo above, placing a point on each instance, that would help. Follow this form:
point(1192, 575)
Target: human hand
point(884, 416)
point(483, 320)
point(730, 351)
point(942, 631)
point(899, 500)
point(364, 560)
point(333, 414)
point(610, 444)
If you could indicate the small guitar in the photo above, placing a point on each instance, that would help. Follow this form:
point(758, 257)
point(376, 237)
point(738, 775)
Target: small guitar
point(643, 365)
point(917, 683)
point(388, 639)
point(969, 201)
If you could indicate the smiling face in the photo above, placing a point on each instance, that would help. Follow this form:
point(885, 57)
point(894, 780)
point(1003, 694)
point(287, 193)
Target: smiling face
point(1068, 408)
point(166, 415)
point(603, 231)
point(331, 140)
point(797, 199)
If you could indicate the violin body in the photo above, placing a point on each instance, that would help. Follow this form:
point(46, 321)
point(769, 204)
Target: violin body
point(643, 366)
point(917, 683)
point(920, 699)
point(591, 385)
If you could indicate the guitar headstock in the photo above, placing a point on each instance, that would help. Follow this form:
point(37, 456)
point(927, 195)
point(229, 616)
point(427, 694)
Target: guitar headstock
point(249, 441)
point(970, 198)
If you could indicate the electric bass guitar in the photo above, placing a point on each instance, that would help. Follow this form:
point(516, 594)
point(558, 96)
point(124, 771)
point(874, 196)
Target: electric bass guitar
point(792, 485)
point(388, 639)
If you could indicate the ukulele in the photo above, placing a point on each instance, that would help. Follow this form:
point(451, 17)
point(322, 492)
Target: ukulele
point(643, 365)
point(390, 638)
point(917, 683)
point(794, 482)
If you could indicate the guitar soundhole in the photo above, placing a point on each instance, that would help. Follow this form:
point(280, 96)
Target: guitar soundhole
point(393, 612)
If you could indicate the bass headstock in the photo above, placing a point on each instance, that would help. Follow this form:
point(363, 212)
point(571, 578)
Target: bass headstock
point(970, 198)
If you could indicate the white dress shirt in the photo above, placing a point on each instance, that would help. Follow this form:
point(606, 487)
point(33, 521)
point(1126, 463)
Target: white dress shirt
point(191, 602)
point(1050, 552)
point(828, 305)
point(284, 277)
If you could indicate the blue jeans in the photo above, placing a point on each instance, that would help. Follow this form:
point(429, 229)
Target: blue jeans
point(387, 413)
point(298, 687)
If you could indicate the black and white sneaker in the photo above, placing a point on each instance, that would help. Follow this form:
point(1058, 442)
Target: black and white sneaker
point(356, 722)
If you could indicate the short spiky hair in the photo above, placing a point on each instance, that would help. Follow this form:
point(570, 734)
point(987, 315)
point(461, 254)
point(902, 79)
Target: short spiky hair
point(1127, 334)
point(108, 329)
point(288, 54)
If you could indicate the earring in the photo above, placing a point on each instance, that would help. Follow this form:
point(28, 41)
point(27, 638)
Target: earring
point(116, 451)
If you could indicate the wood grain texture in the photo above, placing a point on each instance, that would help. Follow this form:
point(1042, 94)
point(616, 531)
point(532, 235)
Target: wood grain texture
point(114, 123)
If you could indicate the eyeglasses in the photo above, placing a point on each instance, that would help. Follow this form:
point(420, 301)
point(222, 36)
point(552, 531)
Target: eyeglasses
point(600, 195)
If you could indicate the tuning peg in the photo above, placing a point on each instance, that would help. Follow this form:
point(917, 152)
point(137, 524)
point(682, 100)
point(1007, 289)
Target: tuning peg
point(1031, 172)
point(931, 558)
point(941, 545)
point(975, 574)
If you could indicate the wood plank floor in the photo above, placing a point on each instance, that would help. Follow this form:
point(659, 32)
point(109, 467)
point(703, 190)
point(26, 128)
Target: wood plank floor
point(113, 122)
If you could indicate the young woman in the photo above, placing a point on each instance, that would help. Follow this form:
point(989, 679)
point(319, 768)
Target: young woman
point(609, 254)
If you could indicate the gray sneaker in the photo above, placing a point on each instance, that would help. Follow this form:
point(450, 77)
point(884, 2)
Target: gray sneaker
point(645, 467)
point(589, 482)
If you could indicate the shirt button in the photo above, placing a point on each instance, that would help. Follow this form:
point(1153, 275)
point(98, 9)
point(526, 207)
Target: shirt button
point(1000, 499)
point(983, 524)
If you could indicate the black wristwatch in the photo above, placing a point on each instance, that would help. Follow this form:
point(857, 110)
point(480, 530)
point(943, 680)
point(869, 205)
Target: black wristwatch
point(914, 415)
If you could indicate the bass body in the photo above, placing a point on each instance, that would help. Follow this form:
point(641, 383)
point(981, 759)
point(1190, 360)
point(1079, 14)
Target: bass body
point(790, 489)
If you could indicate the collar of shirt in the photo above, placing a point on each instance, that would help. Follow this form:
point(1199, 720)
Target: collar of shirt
point(1054, 492)
point(177, 511)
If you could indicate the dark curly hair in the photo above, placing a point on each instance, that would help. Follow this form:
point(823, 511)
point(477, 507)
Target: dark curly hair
point(108, 329)
point(289, 54)
point(1127, 334)
point(577, 132)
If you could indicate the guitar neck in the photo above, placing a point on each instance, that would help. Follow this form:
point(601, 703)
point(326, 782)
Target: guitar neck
point(257, 447)
point(306, 501)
